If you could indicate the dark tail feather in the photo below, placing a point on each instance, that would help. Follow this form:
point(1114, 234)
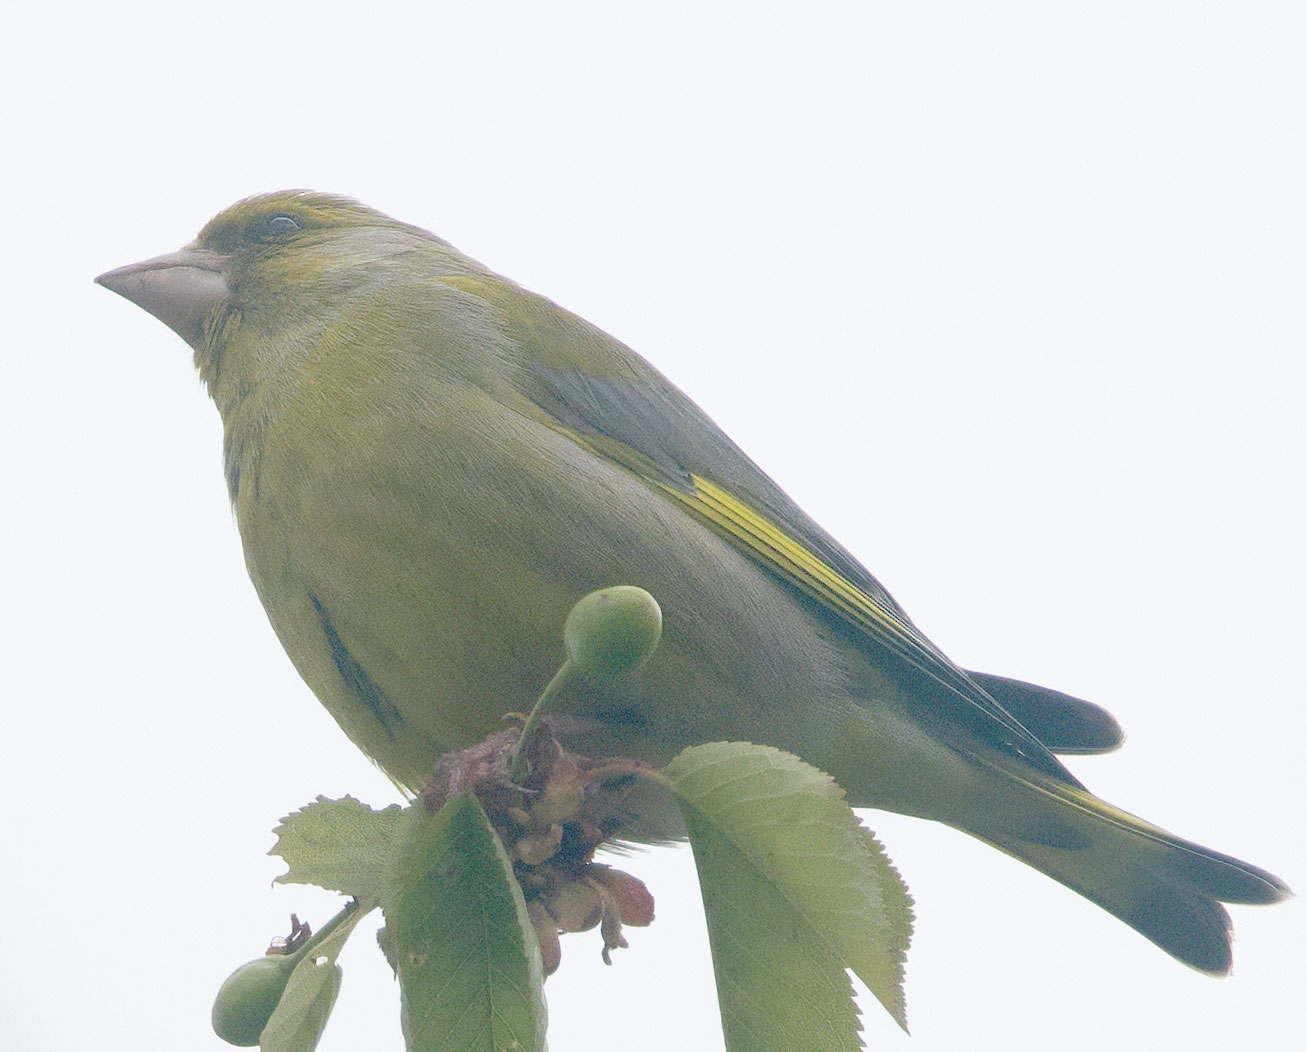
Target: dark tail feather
point(1167, 889)
point(1063, 723)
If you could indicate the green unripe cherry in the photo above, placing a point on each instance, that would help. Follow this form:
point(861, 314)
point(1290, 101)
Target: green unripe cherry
point(608, 633)
point(248, 997)
point(613, 631)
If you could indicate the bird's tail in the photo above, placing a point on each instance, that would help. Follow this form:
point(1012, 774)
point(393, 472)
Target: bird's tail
point(1168, 889)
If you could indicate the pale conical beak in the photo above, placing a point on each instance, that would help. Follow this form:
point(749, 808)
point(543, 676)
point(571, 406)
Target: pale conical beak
point(179, 289)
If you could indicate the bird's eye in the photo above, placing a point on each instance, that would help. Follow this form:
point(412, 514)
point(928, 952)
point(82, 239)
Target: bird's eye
point(273, 227)
point(280, 225)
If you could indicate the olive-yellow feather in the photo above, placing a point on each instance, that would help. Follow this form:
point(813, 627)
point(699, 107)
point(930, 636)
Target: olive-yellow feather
point(430, 465)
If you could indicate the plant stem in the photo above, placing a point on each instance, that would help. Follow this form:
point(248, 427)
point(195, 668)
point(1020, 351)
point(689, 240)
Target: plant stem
point(518, 768)
point(349, 909)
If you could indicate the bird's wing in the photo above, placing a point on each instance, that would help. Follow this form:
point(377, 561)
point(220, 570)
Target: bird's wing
point(1063, 723)
point(610, 400)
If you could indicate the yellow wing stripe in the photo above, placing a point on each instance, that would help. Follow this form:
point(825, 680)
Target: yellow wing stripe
point(796, 563)
point(793, 561)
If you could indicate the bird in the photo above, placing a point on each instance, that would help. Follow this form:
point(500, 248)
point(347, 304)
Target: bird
point(429, 465)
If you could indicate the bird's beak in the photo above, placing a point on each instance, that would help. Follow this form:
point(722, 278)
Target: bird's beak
point(179, 289)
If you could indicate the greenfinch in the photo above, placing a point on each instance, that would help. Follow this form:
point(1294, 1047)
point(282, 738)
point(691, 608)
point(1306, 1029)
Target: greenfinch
point(430, 464)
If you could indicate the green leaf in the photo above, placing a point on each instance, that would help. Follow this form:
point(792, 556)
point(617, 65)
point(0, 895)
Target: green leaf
point(341, 845)
point(302, 1012)
point(795, 890)
point(469, 965)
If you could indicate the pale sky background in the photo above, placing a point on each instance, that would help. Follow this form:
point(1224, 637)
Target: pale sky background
point(1008, 296)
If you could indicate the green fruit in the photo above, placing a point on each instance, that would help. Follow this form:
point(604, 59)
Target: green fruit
point(248, 997)
point(613, 631)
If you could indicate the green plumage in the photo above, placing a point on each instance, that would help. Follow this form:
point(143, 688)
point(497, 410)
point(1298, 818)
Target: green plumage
point(430, 464)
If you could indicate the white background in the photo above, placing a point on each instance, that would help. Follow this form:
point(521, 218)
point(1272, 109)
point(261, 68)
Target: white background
point(1009, 296)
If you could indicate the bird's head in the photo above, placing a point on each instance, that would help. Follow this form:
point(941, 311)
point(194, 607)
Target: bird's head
point(266, 252)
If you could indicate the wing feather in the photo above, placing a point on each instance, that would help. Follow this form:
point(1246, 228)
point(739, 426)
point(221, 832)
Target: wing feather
point(610, 400)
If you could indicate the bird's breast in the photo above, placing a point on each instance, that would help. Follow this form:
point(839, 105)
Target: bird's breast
point(418, 570)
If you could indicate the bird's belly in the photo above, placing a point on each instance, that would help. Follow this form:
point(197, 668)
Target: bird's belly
point(421, 613)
